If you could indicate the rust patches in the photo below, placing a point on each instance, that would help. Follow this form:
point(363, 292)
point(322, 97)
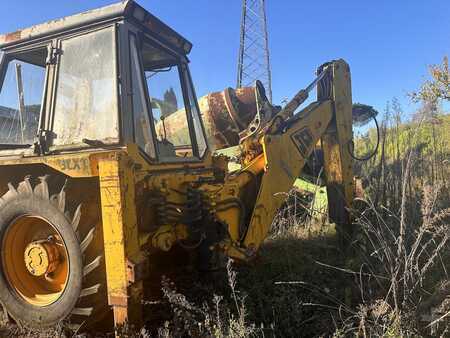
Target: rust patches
point(121, 301)
point(66, 23)
point(157, 26)
point(10, 37)
point(241, 105)
point(226, 114)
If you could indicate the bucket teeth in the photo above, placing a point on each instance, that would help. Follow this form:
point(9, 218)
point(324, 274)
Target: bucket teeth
point(76, 218)
point(25, 187)
point(42, 188)
point(83, 311)
point(87, 240)
point(90, 291)
point(92, 266)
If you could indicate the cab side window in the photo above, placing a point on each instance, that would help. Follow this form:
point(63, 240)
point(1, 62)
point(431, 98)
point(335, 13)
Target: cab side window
point(142, 126)
point(167, 123)
point(165, 90)
point(169, 113)
point(21, 97)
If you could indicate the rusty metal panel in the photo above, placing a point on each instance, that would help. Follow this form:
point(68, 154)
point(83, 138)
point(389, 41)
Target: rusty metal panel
point(118, 10)
point(69, 22)
point(225, 114)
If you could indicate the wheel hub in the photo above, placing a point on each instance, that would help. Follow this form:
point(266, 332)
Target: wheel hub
point(36, 266)
point(41, 257)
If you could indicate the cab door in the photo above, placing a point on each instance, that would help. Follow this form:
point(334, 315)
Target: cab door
point(166, 119)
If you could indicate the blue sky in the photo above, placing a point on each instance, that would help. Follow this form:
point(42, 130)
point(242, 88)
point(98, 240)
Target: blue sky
point(388, 43)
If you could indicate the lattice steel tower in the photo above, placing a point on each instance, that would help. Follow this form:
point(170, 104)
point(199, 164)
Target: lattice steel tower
point(254, 60)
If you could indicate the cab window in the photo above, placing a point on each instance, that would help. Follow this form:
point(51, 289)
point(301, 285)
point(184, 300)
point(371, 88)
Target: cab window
point(170, 105)
point(86, 106)
point(21, 96)
point(142, 126)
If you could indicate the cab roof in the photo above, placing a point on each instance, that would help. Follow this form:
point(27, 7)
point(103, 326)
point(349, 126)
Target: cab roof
point(128, 10)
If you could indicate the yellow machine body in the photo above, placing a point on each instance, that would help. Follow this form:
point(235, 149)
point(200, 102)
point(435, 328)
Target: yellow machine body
point(141, 206)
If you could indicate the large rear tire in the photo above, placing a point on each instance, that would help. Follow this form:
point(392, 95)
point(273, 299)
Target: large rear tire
point(46, 276)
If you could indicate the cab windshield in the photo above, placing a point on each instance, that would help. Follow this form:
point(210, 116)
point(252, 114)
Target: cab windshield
point(86, 106)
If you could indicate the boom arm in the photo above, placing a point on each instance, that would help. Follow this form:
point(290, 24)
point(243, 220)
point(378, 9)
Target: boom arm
point(289, 141)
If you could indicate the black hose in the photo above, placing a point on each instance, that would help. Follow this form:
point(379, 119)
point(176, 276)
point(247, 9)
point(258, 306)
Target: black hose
point(351, 145)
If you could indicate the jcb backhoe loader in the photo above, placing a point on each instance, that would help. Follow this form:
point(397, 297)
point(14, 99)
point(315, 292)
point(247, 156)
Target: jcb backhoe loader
point(105, 163)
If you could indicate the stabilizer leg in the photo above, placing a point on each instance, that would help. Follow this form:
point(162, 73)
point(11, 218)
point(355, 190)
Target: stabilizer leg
point(121, 241)
point(337, 143)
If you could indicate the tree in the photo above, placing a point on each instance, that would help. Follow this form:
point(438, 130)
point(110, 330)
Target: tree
point(436, 89)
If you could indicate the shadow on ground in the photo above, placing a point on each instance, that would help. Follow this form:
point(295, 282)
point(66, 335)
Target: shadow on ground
point(287, 293)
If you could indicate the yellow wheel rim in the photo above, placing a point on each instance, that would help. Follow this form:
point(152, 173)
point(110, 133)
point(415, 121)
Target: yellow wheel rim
point(35, 260)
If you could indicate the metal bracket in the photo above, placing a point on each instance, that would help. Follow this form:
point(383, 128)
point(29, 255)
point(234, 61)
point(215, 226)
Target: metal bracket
point(264, 112)
point(138, 270)
point(53, 53)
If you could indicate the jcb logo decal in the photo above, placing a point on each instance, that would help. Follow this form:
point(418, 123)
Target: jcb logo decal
point(303, 140)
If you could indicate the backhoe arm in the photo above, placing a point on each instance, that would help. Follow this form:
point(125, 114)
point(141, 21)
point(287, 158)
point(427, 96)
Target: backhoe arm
point(288, 144)
point(285, 155)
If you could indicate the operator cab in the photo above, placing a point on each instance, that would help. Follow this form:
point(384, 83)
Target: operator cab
point(100, 79)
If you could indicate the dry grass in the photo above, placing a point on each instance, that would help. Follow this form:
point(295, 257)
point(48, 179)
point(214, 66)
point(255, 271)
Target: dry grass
point(215, 318)
point(401, 268)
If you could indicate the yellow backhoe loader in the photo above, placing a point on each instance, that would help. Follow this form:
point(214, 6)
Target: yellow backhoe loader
point(106, 165)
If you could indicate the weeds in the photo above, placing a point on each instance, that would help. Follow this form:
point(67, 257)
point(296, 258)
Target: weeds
point(214, 319)
point(409, 260)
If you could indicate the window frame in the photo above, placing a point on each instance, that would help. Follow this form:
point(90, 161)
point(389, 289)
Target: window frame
point(145, 98)
point(183, 75)
point(187, 109)
point(6, 56)
point(54, 92)
point(194, 94)
point(2, 61)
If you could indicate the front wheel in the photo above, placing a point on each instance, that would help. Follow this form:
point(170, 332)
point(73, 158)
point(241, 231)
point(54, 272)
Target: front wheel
point(44, 266)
